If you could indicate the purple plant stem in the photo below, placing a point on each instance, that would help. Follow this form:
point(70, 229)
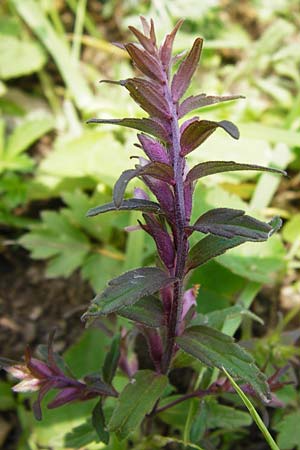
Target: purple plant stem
point(198, 394)
point(180, 236)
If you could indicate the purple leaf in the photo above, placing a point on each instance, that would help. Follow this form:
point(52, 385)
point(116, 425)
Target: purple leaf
point(145, 41)
point(163, 193)
point(148, 97)
point(182, 78)
point(229, 223)
point(157, 170)
point(145, 62)
point(127, 289)
point(150, 126)
point(162, 239)
point(198, 131)
point(133, 204)
point(211, 167)
point(166, 48)
point(201, 100)
point(153, 149)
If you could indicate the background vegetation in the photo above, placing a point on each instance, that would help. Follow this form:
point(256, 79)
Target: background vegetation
point(54, 168)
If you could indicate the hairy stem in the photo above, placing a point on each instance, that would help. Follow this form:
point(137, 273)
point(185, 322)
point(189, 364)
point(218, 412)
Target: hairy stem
point(180, 236)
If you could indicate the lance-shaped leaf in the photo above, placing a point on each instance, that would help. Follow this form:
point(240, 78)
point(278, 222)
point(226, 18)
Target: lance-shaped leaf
point(212, 246)
point(147, 311)
point(201, 100)
point(150, 126)
point(145, 62)
point(162, 240)
point(132, 204)
point(216, 349)
point(148, 97)
point(111, 360)
point(163, 193)
point(137, 399)
point(166, 48)
point(145, 41)
point(230, 223)
point(183, 76)
point(161, 171)
point(98, 422)
point(211, 167)
point(198, 131)
point(127, 289)
point(153, 149)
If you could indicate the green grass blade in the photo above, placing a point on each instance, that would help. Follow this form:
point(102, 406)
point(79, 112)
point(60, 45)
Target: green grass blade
point(32, 13)
point(255, 416)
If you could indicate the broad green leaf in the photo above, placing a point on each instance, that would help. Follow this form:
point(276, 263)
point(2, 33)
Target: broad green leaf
point(26, 134)
point(127, 289)
point(19, 57)
point(59, 240)
point(111, 360)
point(226, 417)
point(175, 416)
point(87, 354)
point(212, 246)
point(261, 262)
point(216, 349)
point(99, 268)
point(81, 436)
point(147, 311)
point(84, 156)
point(133, 204)
point(137, 399)
point(289, 432)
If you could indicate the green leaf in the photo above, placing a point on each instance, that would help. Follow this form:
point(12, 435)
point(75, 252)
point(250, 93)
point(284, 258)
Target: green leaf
point(216, 349)
point(80, 436)
point(253, 413)
point(133, 204)
point(137, 399)
point(6, 396)
point(19, 57)
point(289, 432)
point(59, 240)
point(291, 230)
point(226, 417)
point(148, 311)
point(26, 134)
point(98, 421)
point(111, 360)
point(212, 246)
point(127, 289)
